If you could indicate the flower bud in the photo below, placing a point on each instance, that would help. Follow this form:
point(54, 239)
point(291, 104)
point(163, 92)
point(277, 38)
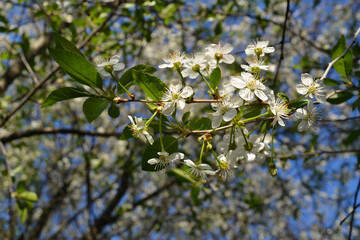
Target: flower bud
point(109, 68)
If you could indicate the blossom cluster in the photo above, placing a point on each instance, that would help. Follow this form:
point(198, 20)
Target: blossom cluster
point(249, 88)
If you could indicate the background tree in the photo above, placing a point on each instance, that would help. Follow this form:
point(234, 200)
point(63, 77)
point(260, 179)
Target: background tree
point(63, 178)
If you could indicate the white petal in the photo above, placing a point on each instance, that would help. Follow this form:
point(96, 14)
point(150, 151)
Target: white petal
point(260, 94)
point(229, 115)
point(246, 94)
point(251, 156)
point(229, 59)
point(306, 79)
point(209, 172)
point(187, 92)
point(300, 113)
point(281, 122)
point(166, 65)
point(321, 98)
point(216, 121)
point(302, 126)
point(189, 163)
point(115, 59)
point(180, 104)
point(269, 50)
point(119, 66)
point(176, 156)
point(300, 88)
point(262, 44)
point(168, 108)
point(227, 48)
point(153, 161)
point(238, 82)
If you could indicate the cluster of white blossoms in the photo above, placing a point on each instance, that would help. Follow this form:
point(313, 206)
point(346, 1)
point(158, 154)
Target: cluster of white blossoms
point(238, 144)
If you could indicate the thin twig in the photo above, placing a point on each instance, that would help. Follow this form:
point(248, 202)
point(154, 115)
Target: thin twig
point(350, 213)
point(354, 207)
point(320, 153)
point(23, 59)
point(339, 120)
point(282, 43)
point(341, 56)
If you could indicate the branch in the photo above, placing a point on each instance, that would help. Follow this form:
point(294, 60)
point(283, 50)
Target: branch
point(12, 210)
point(354, 208)
point(47, 77)
point(320, 152)
point(282, 43)
point(340, 120)
point(341, 56)
point(352, 212)
point(34, 132)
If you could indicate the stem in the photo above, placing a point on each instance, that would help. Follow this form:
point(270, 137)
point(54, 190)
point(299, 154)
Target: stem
point(160, 132)
point(254, 129)
point(246, 142)
point(201, 153)
point(207, 83)
point(112, 75)
point(182, 78)
point(217, 159)
point(152, 118)
point(272, 145)
point(256, 117)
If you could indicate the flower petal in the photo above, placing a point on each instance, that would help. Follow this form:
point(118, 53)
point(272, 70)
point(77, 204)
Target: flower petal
point(238, 82)
point(216, 121)
point(247, 94)
point(306, 79)
point(153, 161)
point(186, 92)
point(300, 88)
point(229, 115)
point(168, 108)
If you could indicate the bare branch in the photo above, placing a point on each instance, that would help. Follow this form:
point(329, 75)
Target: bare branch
point(282, 43)
point(354, 208)
point(341, 56)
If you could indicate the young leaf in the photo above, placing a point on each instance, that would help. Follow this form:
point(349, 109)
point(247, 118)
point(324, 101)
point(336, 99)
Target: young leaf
point(340, 97)
point(62, 94)
point(344, 65)
point(202, 123)
point(253, 111)
point(153, 87)
point(126, 133)
point(93, 107)
point(182, 175)
point(127, 79)
point(63, 44)
point(28, 196)
point(170, 144)
point(298, 104)
point(113, 111)
point(80, 69)
point(215, 78)
point(331, 82)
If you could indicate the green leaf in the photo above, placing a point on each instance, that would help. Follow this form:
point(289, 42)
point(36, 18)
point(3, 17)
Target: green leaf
point(202, 123)
point(266, 125)
point(28, 196)
point(93, 107)
point(339, 97)
point(168, 11)
point(215, 78)
point(127, 79)
point(20, 187)
point(126, 133)
point(186, 116)
point(218, 28)
point(284, 97)
point(344, 65)
point(113, 111)
point(253, 111)
point(153, 87)
point(183, 175)
point(63, 44)
point(298, 104)
point(195, 195)
point(331, 82)
point(353, 136)
point(170, 144)
point(80, 69)
point(23, 213)
point(62, 94)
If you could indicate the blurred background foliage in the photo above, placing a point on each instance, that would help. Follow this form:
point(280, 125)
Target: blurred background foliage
point(63, 178)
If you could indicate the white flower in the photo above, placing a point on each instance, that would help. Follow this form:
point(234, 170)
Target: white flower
point(259, 48)
point(225, 109)
point(199, 171)
point(308, 86)
point(175, 60)
point(175, 97)
point(226, 164)
point(165, 159)
point(107, 67)
point(255, 66)
point(309, 116)
point(249, 87)
point(140, 130)
point(194, 65)
point(220, 53)
point(249, 148)
point(263, 150)
point(279, 108)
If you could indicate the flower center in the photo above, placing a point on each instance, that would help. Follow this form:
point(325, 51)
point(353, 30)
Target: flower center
point(177, 65)
point(219, 56)
point(255, 69)
point(258, 51)
point(109, 68)
point(223, 165)
point(252, 84)
point(196, 68)
point(249, 146)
